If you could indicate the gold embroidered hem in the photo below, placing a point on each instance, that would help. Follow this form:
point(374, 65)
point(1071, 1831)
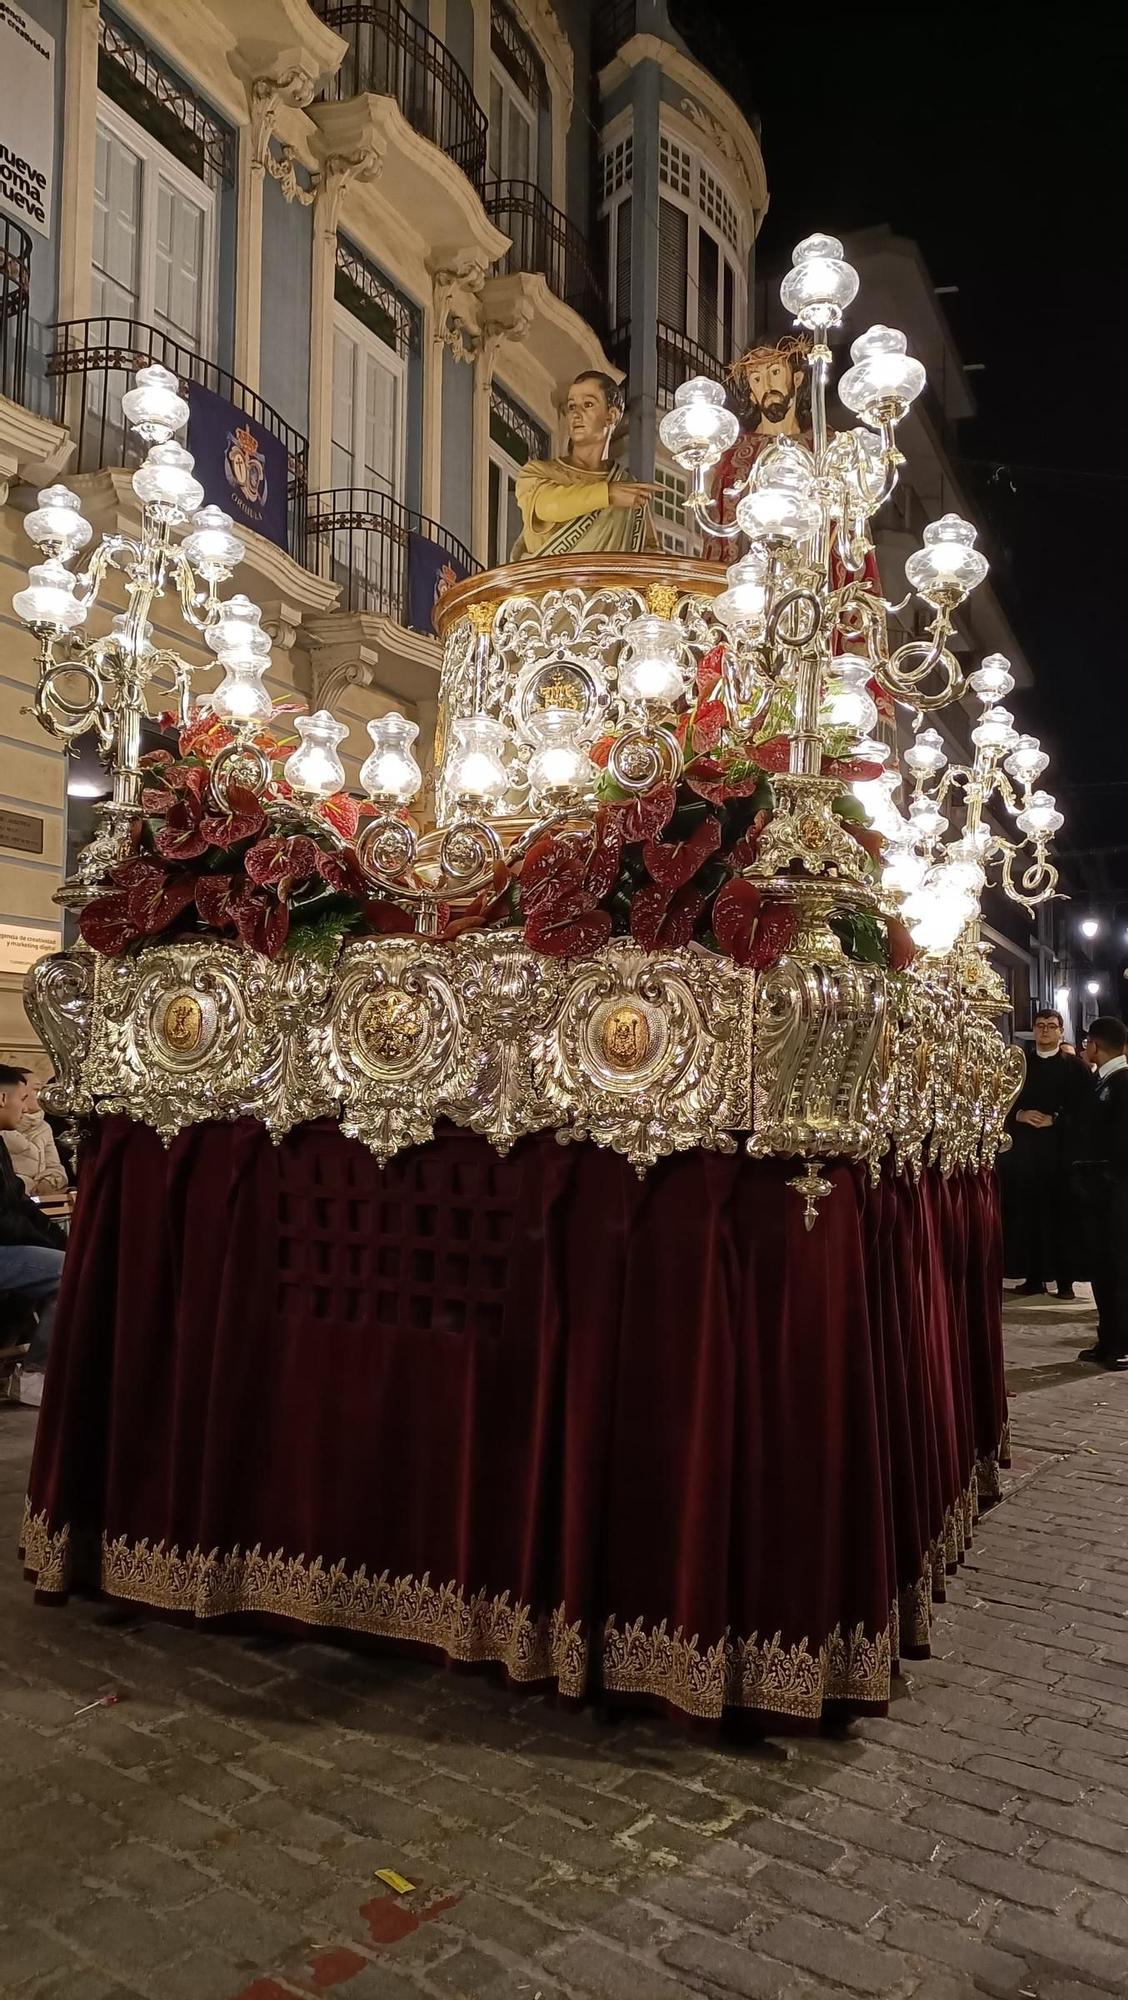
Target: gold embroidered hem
point(789, 1680)
point(747, 1673)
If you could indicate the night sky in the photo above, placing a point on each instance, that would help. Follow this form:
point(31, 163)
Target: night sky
point(1000, 147)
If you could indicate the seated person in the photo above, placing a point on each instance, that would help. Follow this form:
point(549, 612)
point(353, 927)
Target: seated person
point(582, 503)
point(34, 1153)
point(31, 1246)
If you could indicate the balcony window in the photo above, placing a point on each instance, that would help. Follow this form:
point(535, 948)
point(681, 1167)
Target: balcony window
point(701, 284)
point(669, 510)
point(518, 92)
point(613, 241)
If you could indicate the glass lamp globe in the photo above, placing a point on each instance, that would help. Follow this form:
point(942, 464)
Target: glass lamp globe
point(476, 760)
point(928, 822)
point(927, 755)
point(651, 670)
point(49, 603)
point(995, 730)
point(1027, 760)
point(167, 484)
point(241, 696)
point(949, 565)
point(884, 379)
point(132, 644)
point(847, 705)
point(699, 427)
point(238, 628)
point(937, 912)
point(212, 548)
point(741, 607)
point(1041, 817)
point(314, 767)
point(820, 284)
point(560, 766)
point(57, 524)
point(390, 774)
point(777, 514)
point(904, 870)
point(992, 681)
point(155, 409)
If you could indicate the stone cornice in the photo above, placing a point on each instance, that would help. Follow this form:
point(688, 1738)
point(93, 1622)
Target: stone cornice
point(31, 447)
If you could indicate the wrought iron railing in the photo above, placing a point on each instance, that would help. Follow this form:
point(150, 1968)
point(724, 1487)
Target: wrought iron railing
point(544, 240)
point(392, 55)
point(363, 540)
point(613, 23)
point(679, 358)
point(15, 294)
point(94, 360)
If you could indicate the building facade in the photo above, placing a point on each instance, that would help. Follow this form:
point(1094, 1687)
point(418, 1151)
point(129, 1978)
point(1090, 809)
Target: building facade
point(375, 242)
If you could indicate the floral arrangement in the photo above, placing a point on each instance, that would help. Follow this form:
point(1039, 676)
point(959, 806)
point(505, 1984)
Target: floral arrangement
point(665, 867)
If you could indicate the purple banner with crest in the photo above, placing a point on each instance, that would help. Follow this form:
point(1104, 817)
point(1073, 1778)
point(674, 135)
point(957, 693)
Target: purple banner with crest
point(241, 466)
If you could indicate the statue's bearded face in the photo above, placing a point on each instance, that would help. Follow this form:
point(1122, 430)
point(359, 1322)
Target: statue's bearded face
point(772, 386)
point(586, 413)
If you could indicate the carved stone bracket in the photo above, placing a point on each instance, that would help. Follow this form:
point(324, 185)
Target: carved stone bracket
point(507, 317)
point(266, 96)
point(457, 279)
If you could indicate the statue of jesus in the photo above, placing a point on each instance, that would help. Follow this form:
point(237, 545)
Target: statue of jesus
point(582, 503)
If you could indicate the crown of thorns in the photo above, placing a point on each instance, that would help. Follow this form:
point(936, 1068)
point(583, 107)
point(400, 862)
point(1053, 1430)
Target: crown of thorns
point(794, 347)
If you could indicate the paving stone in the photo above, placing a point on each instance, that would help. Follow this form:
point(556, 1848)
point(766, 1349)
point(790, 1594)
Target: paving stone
point(864, 1968)
point(611, 1975)
point(1010, 1880)
point(960, 1950)
point(733, 1968)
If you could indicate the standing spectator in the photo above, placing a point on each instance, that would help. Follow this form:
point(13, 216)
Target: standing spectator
point(1040, 1226)
point(31, 1247)
point(1103, 1179)
point(32, 1146)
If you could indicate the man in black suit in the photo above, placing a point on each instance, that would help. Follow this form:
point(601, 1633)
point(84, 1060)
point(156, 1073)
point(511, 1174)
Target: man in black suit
point(1103, 1174)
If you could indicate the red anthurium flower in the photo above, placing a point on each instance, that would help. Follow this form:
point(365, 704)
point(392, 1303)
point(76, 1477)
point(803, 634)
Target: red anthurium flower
point(902, 950)
point(674, 864)
point(106, 925)
point(736, 908)
point(154, 905)
point(775, 933)
point(157, 799)
point(137, 874)
point(744, 851)
point(711, 778)
point(155, 760)
point(341, 868)
point(205, 735)
point(850, 769)
point(867, 837)
point(387, 919)
point(281, 863)
point(647, 816)
point(262, 922)
point(181, 838)
point(774, 755)
point(710, 667)
point(570, 928)
point(342, 813)
point(600, 752)
point(708, 725)
point(605, 858)
point(490, 904)
point(554, 867)
point(214, 896)
point(662, 920)
point(240, 818)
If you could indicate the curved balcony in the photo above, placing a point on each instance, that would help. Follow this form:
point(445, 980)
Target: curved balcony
point(544, 240)
point(680, 358)
point(367, 542)
point(391, 55)
point(15, 293)
point(94, 361)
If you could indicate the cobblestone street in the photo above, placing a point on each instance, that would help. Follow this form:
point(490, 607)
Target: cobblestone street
point(217, 1834)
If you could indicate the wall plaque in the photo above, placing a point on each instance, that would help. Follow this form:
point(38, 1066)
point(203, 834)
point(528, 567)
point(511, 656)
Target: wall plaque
point(21, 830)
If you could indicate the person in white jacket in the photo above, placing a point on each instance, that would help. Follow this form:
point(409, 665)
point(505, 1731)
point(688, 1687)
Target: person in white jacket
point(33, 1151)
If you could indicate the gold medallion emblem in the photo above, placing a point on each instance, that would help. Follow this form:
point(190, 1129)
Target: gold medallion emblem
point(625, 1038)
point(390, 1027)
point(182, 1024)
point(811, 830)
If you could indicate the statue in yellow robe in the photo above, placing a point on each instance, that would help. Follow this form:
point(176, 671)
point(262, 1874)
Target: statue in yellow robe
point(582, 503)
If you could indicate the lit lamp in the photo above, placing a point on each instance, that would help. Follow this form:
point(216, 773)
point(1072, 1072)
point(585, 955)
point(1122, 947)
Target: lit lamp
point(1041, 817)
point(50, 603)
point(820, 284)
point(699, 428)
point(996, 731)
point(884, 379)
point(237, 628)
point(212, 548)
point(847, 703)
point(154, 407)
point(314, 768)
point(390, 774)
point(1090, 926)
point(241, 696)
point(949, 565)
point(166, 483)
point(992, 681)
point(926, 756)
point(478, 774)
point(56, 524)
point(740, 608)
point(560, 770)
point(781, 506)
point(651, 669)
point(1027, 760)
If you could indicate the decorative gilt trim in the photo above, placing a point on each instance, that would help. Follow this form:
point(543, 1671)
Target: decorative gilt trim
point(473, 1626)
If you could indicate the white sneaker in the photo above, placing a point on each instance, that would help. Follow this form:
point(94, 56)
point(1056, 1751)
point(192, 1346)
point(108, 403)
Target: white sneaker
point(31, 1388)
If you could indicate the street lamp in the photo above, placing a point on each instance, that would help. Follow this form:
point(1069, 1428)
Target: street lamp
point(1090, 926)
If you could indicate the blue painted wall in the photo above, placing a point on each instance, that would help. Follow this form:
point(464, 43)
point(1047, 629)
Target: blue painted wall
point(457, 430)
point(287, 248)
